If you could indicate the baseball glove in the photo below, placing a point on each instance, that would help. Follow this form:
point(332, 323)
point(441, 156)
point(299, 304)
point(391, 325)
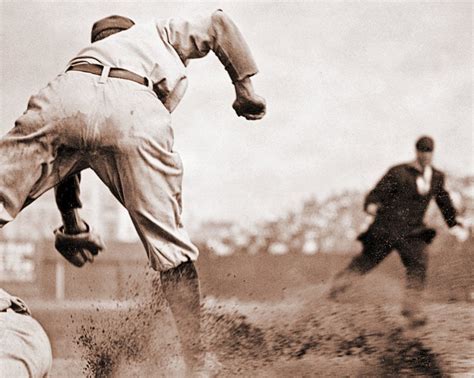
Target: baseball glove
point(78, 248)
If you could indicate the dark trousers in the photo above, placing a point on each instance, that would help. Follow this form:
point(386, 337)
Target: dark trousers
point(412, 252)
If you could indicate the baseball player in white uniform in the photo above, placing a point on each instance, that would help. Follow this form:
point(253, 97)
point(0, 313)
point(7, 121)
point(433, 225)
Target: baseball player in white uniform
point(110, 111)
point(25, 350)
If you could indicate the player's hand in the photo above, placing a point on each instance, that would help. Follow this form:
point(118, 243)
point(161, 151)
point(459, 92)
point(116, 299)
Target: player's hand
point(78, 248)
point(460, 233)
point(252, 110)
point(371, 209)
point(247, 103)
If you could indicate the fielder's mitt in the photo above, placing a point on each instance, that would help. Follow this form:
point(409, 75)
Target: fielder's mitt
point(78, 248)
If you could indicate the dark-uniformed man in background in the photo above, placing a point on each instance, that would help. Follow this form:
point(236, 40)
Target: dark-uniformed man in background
point(398, 204)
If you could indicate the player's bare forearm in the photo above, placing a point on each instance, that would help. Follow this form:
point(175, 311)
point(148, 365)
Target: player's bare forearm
point(67, 194)
point(72, 222)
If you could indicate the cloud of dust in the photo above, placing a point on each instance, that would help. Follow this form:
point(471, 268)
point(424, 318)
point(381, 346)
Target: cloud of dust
point(305, 332)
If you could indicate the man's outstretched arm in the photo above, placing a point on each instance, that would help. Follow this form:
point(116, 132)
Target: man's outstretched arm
point(67, 194)
point(194, 38)
point(449, 212)
point(74, 240)
point(445, 204)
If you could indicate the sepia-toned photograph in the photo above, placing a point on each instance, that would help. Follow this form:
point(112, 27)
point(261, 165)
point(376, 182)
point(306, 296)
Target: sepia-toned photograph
point(194, 189)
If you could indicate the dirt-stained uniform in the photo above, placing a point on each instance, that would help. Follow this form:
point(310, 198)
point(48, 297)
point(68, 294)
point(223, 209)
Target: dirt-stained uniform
point(111, 111)
point(119, 127)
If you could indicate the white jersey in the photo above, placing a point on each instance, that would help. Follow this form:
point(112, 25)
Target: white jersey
point(160, 51)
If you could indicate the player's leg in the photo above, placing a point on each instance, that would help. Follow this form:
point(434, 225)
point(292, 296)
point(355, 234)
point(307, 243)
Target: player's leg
point(23, 162)
point(155, 213)
point(415, 259)
point(145, 175)
point(32, 157)
point(373, 252)
point(181, 289)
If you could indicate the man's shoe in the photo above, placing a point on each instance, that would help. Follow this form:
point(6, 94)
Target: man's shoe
point(416, 320)
point(337, 290)
point(414, 314)
point(341, 283)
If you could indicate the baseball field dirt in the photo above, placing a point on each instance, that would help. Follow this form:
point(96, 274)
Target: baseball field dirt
point(302, 335)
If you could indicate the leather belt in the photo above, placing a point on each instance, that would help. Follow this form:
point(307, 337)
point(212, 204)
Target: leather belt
point(118, 73)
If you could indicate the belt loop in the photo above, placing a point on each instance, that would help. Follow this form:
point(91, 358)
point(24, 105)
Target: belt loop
point(104, 75)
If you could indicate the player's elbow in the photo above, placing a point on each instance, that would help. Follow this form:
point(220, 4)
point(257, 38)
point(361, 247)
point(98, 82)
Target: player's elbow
point(220, 21)
point(218, 15)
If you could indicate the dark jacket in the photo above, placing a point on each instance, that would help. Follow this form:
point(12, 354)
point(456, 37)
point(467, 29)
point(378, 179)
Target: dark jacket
point(401, 209)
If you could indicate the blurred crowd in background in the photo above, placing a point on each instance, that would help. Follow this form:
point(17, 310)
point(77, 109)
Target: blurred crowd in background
point(330, 225)
point(237, 259)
